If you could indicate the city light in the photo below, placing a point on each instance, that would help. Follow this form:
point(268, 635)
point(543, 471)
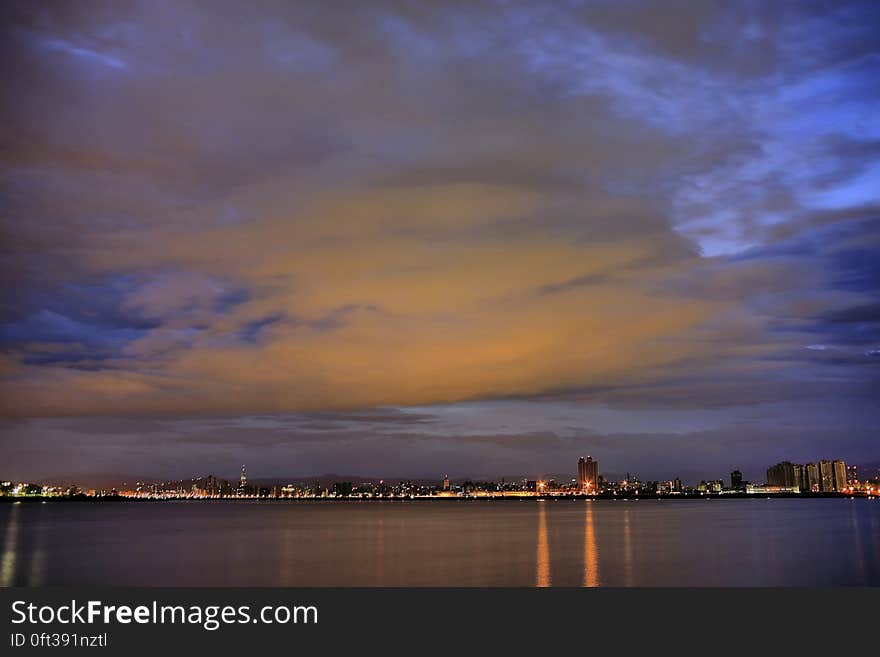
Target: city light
point(783, 479)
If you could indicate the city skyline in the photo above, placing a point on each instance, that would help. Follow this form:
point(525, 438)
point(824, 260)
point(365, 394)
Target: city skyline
point(822, 476)
point(412, 238)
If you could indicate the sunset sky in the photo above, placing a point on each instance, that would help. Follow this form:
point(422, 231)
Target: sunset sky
point(410, 238)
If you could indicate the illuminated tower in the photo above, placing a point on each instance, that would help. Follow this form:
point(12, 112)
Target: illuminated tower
point(588, 475)
point(800, 477)
point(445, 482)
point(242, 482)
point(811, 478)
point(826, 476)
point(839, 469)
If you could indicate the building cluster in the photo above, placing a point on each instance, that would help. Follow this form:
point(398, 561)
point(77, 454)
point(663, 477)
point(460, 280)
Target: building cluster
point(201, 488)
point(824, 477)
point(24, 489)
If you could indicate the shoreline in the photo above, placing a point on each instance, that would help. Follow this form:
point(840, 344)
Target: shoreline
point(437, 498)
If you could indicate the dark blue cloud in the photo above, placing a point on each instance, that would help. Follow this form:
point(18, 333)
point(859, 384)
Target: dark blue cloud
point(83, 323)
point(51, 326)
point(86, 318)
point(832, 295)
point(251, 332)
point(857, 325)
point(858, 268)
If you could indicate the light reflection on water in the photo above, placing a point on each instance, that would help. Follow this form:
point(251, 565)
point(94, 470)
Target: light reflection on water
point(470, 543)
point(627, 550)
point(10, 546)
point(37, 569)
point(543, 556)
point(591, 551)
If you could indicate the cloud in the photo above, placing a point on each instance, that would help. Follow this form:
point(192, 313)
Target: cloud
point(276, 209)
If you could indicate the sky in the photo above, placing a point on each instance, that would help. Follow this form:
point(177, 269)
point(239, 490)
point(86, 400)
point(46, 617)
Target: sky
point(415, 238)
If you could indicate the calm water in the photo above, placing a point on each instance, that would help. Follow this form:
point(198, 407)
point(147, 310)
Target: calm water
point(502, 543)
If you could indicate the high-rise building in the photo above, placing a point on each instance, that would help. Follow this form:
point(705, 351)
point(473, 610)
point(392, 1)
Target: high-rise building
point(736, 480)
point(811, 478)
point(800, 478)
point(782, 474)
point(588, 474)
point(839, 469)
point(826, 476)
point(242, 481)
point(445, 482)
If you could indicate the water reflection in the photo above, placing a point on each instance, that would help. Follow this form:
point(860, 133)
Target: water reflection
point(857, 536)
point(627, 550)
point(591, 553)
point(542, 578)
point(10, 546)
point(594, 544)
point(380, 552)
point(874, 535)
point(37, 570)
point(288, 557)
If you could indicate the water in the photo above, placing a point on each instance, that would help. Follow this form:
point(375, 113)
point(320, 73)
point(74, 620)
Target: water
point(756, 542)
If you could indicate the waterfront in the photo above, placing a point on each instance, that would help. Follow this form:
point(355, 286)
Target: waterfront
point(743, 542)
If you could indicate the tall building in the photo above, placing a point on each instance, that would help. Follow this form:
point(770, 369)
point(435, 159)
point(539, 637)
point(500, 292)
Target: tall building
point(782, 474)
point(445, 482)
point(839, 469)
point(811, 478)
point(736, 480)
point(588, 474)
point(242, 481)
point(800, 477)
point(826, 476)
